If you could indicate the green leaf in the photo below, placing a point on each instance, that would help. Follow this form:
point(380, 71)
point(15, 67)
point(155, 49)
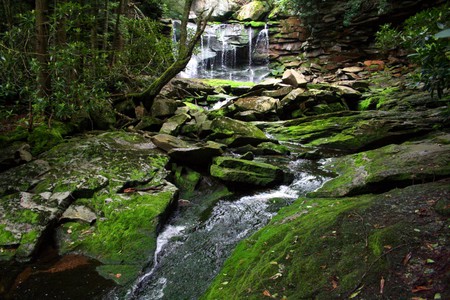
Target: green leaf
point(443, 34)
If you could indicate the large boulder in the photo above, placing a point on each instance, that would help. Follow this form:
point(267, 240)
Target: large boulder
point(244, 172)
point(354, 131)
point(392, 165)
point(236, 133)
point(353, 247)
point(253, 11)
point(197, 154)
point(163, 107)
point(222, 8)
point(87, 179)
point(262, 104)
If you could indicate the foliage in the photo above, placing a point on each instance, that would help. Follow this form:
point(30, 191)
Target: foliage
point(309, 10)
point(94, 51)
point(387, 37)
point(423, 35)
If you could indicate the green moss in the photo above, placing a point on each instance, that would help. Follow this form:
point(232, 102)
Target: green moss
point(296, 254)
point(43, 138)
point(186, 180)
point(126, 228)
point(255, 24)
point(231, 83)
point(6, 237)
point(121, 274)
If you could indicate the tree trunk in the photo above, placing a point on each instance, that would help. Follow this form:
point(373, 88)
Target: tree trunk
point(8, 13)
point(42, 36)
point(185, 48)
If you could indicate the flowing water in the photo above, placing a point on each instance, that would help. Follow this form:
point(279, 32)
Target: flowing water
point(229, 51)
point(190, 252)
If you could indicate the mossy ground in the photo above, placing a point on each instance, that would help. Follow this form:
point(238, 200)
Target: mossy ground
point(339, 248)
point(124, 234)
point(225, 82)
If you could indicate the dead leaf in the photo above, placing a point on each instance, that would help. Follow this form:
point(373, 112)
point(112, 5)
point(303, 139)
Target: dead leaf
point(129, 190)
point(267, 293)
point(382, 285)
point(276, 276)
point(407, 258)
point(387, 247)
point(334, 283)
point(420, 288)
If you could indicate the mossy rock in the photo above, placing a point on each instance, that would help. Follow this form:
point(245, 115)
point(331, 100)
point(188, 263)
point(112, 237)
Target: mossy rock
point(33, 196)
point(342, 248)
point(236, 133)
point(125, 230)
point(243, 172)
point(42, 138)
point(356, 131)
point(387, 167)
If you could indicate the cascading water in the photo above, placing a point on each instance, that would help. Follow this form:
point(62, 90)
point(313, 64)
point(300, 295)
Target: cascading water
point(190, 253)
point(230, 51)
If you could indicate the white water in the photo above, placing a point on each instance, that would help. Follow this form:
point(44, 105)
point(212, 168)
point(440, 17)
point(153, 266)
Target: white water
point(230, 51)
point(184, 268)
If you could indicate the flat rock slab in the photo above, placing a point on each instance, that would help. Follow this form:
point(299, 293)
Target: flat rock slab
point(387, 167)
point(356, 131)
point(241, 171)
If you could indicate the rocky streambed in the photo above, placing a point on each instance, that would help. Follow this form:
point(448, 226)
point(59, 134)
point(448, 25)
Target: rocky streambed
point(87, 212)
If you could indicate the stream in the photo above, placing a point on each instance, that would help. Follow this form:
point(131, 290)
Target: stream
point(190, 252)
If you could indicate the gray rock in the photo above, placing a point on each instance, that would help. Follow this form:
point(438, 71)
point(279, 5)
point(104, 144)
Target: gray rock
point(294, 78)
point(173, 124)
point(79, 212)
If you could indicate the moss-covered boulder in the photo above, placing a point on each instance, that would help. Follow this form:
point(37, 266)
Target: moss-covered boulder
point(120, 177)
point(197, 154)
point(387, 167)
point(356, 131)
point(253, 11)
point(236, 133)
point(245, 172)
point(390, 246)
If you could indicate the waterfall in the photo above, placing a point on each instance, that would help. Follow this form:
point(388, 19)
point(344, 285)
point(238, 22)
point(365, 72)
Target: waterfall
point(261, 52)
point(250, 41)
point(228, 51)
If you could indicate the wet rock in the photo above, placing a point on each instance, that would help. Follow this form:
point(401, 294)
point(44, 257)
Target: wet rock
point(240, 171)
point(270, 148)
point(199, 154)
point(167, 142)
point(34, 196)
point(279, 93)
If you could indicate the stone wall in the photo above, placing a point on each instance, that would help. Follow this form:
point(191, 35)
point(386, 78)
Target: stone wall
point(331, 44)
